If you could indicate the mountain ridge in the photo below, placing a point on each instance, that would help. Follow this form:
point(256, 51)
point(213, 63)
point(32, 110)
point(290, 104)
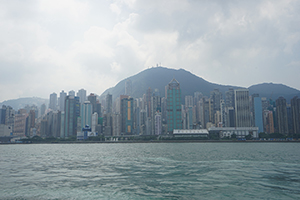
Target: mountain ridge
point(159, 77)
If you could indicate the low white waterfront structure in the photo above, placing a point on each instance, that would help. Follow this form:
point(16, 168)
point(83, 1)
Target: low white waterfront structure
point(190, 133)
point(240, 132)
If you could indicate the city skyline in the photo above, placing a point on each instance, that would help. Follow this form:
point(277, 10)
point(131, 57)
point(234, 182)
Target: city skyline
point(49, 46)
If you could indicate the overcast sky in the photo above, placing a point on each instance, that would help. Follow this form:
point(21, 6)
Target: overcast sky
point(49, 46)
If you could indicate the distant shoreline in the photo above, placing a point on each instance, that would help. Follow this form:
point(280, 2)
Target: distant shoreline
point(164, 141)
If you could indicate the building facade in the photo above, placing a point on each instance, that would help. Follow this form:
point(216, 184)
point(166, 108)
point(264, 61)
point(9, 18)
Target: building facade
point(174, 106)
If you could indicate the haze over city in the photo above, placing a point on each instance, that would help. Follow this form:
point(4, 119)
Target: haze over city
point(49, 46)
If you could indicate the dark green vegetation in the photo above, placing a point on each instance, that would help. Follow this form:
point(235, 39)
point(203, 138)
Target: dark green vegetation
point(159, 77)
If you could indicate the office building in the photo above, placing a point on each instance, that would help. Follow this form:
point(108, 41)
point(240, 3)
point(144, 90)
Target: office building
point(242, 108)
point(281, 115)
point(82, 95)
point(108, 103)
point(295, 111)
point(127, 118)
point(174, 105)
point(53, 101)
point(86, 114)
point(62, 97)
point(258, 114)
point(92, 98)
point(72, 112)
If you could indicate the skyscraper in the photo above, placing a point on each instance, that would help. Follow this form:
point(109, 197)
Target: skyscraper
point(158, 124)
point(174, 106)
point(72, 112)
point(108, 103)
point(62, 97)
point(216, 97)
point(281, 114)
point(82, 95)
point(72, 93)
point(127, 117)
point(242, 108)
point(295, 109)
point(229, 98)
point(258, 114)
point(86, 114)
point(148, 102)
point(189, 101)
point(43, 109)
point(53, 101)
point(92, 98)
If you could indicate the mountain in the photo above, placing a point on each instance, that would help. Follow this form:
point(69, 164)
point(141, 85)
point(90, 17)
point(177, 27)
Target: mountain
point(159, 77)
point(273, 91)
point(22, 102)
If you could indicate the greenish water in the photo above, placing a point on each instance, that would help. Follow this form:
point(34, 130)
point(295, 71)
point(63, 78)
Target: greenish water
point(150, 171)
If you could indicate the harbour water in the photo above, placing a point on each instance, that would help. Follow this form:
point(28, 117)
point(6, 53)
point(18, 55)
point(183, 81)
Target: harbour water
point(150, 171)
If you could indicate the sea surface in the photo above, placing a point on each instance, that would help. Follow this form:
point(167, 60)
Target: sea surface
point(150, 171)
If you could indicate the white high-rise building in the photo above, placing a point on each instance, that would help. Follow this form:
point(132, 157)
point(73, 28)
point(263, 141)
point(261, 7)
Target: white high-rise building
point(86, 114)
point(94, 122)
point(158, 124)
point(82, 95)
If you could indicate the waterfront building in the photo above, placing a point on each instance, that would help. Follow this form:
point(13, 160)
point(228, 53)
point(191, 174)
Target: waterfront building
point(230, 117)
point(240, 132)
point(5, 130)
point(62, 124)
point(190, 133)
point(242, 108)
point(295, 112)
point(86, 114)
point(20, 125)
point(53, 124)
point(281, 115)
point(158, 123)
point(156, 107)
point(206, 111)
point(269, 120)
point(258, 114)
point(116, 124)
point(72, 112)
point(2, 114)
point(127, 117)
point(174, 105)
point(94, 122)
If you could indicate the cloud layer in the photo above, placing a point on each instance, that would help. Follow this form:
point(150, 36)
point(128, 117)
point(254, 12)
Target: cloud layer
point(49, 46)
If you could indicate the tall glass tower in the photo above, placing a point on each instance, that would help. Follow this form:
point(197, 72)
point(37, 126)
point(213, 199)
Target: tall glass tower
point(174, 105)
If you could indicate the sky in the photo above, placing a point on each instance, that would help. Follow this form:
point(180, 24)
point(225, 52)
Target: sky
point(49, 46)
